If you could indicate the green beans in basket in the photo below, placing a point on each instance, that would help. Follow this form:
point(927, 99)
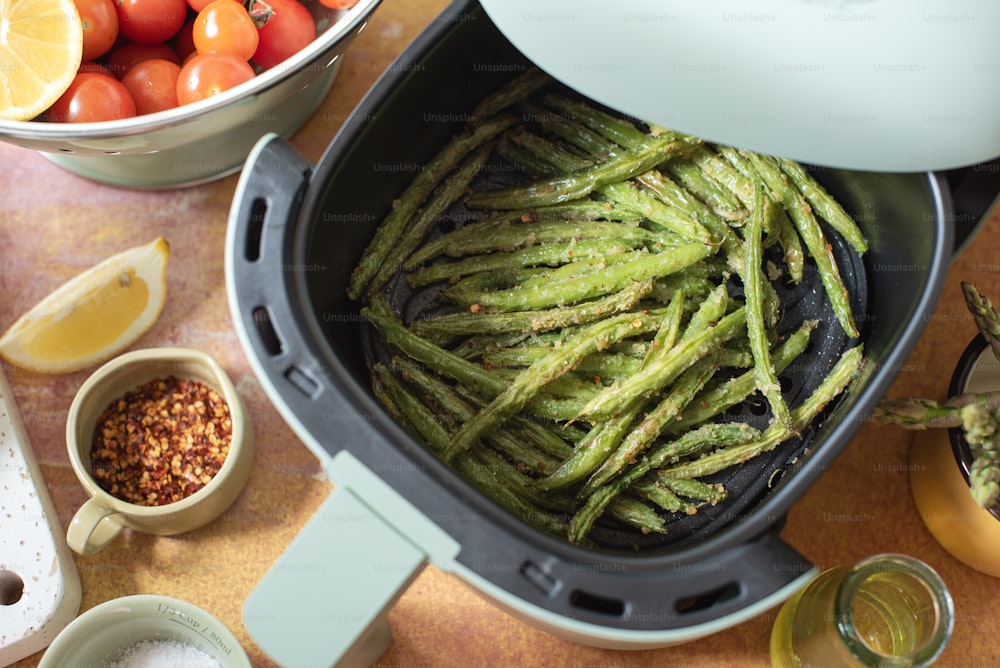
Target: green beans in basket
point(578, 345)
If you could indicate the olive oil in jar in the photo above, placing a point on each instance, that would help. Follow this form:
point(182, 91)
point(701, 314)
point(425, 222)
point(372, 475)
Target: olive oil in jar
point(889, 610)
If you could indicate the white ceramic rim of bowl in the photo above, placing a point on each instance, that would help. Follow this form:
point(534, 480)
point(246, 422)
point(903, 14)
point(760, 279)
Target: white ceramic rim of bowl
point(62, 650)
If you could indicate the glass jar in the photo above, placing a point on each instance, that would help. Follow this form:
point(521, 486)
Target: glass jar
point(889, 610)
point(939, 474)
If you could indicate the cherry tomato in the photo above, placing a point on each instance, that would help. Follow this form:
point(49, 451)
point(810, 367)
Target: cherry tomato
point(224, 25)
point(122, 58)
point(338, 4)
point(100, 26)
point(208, 74)
point(91, 66)
point(151, 21)
point(92, 97)
point(183, 41)
point(153, 85)
point(198, 5)
point(288, 30)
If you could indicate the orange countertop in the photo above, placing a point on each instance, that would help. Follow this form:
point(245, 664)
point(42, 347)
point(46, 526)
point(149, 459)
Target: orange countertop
point(54, 224)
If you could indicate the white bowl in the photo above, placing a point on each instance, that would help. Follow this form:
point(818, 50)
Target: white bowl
point(208, 139)
point(100, 635)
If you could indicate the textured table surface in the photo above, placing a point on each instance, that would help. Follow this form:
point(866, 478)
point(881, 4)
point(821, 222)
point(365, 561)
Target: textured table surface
point(54, 224)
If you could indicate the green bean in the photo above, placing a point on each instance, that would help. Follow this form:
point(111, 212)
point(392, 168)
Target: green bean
point(781, 226)
point(637, 514)
point(488, 484)
point(389, 393)
point(461, 409)
point(579, 183)
point(660, 374)
point(674, 195)
point(640, 266)
point(667, 410)
point(519, 88)
point(526, 161)
point(593, 450)
point(604, 438)
point(695, 489)
point(413, 196)
point(504, 234)
point(622, 193)
point(720, 200)
point(709, 435)
point(614, 129)
point(662, 497)
point(753, 289)
point(824, 204)
point(380, 314)
point(605, 365)
point(738, 183)
point(558, 156)
point(735, 390)
point(529, 382)
point(832, 385)
point(543, 254)
point(576, 134)
point(812, 236)
point(460, 324)
point(418, 228)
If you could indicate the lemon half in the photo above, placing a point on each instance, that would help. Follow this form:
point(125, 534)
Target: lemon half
point(41, 45)
point(93, 316)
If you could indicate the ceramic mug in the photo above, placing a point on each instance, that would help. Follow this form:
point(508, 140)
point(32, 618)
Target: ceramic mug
point(99, 636)
point(103, 516)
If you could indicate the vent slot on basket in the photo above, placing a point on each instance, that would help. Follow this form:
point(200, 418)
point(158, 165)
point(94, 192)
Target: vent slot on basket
point(255, 229)
point(699, 602)
point(603, 605)
point(265, 329)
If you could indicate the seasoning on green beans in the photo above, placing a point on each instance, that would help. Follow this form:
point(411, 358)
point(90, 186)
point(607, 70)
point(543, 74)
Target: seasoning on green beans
point(580, 340)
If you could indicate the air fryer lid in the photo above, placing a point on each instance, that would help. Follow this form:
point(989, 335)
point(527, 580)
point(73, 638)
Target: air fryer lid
point(855, 85)
point(296, 233)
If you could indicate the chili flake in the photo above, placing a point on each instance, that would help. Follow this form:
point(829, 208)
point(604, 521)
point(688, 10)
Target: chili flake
point(161, 442)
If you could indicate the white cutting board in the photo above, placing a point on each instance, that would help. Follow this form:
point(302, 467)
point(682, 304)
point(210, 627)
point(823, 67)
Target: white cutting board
point(32, 546)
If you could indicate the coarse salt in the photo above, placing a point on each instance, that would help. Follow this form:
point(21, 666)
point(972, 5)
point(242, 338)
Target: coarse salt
point(163, 654)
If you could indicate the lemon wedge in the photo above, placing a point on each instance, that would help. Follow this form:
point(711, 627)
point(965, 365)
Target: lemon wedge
point(41, 45)
point(93, 316)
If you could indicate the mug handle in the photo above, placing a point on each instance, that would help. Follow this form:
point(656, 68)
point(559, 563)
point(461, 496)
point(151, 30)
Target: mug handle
point(94, 525)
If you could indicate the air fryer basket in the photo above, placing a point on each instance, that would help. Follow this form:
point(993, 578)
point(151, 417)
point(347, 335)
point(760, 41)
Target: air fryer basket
point(297, 231)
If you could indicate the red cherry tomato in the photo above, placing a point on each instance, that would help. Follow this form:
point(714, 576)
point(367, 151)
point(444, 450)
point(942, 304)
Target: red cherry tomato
point(288, 30)
point(92, 97)
point(121, 59)
point(198, 5)
point(208, 74)
point(91, 66)
point(183, 41)
point(224, 25)
point(153, 85)
point(150, 21)
point(338, 4)
point(100, 26)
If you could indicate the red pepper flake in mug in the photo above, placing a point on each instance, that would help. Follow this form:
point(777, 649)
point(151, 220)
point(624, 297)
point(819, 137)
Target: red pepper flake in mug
point(161, 442)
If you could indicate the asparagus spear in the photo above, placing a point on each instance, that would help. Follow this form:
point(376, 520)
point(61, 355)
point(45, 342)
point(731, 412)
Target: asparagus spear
point(917, 413)
point(985, 314)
